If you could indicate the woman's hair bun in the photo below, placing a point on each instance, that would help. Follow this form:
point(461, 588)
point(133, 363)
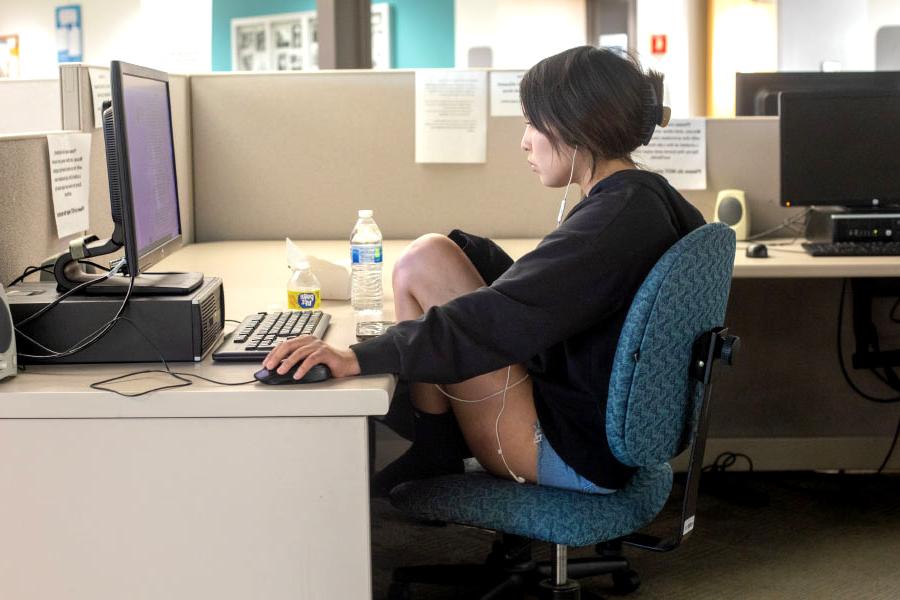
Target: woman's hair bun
point(654, 112)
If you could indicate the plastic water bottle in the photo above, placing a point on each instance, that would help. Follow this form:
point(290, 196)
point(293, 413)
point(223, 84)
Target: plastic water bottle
point(303, 289)
point(365, 257)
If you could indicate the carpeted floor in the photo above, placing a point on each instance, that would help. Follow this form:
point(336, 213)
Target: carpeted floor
point(758, 536)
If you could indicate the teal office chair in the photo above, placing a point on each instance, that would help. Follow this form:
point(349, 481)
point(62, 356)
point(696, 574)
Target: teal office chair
point(658, 406)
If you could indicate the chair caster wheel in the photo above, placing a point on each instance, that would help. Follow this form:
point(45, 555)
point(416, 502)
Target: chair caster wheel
point(625, 582)
point(399, 591)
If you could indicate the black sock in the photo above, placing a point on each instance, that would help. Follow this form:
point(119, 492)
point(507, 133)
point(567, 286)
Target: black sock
point(438, 449)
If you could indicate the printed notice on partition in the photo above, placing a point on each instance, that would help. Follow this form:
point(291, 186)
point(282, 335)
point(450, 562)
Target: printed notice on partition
point(70, 168)
point(451, 116)
point(678, 153)
point(505, 93)
point(100, 92)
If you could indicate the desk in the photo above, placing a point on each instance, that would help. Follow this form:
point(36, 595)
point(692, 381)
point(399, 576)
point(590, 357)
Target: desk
point(789, 260)
point(211, 492)
point(199, 493)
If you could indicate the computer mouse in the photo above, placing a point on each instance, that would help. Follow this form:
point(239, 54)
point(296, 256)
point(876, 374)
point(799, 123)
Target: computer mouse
point(757, 251)
point(316, 374)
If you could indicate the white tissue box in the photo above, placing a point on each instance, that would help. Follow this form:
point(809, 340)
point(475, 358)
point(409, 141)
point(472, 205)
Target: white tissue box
point(333, 276)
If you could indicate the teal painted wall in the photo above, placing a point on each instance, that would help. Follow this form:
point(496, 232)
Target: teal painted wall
point(422, 31)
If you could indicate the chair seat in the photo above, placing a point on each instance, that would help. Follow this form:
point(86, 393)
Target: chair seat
point(538, 512)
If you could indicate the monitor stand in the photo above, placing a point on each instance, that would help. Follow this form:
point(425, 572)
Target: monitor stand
point(70, 274)
point(147, 284)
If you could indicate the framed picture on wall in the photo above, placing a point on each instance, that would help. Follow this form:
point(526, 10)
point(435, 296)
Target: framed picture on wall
point(283, 42)
point(68, 33)
point(250, 45)
point(381, 35)
point(290, 41)
point(9, 55)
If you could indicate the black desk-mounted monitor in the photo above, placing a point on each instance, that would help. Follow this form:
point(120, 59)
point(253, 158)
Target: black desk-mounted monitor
point(756, 94)
point(840, 149)
point(143, 191)
point(143, 151)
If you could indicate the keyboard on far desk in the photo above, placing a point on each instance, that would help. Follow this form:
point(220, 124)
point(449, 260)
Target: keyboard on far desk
point(852, 248)
point(261, 332)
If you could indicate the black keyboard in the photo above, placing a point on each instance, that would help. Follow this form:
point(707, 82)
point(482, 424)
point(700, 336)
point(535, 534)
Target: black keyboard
point(261, 332)
point(852, 248)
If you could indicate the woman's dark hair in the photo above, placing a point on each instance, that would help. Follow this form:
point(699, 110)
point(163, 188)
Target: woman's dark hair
point(594, 99)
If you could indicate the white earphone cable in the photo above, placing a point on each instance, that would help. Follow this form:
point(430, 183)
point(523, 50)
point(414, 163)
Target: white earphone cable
point(562, 205)
point(506, 387)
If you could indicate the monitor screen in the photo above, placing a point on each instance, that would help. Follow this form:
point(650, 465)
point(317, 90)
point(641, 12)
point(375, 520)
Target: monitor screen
point(840, 149)
point(145, 157)
point(756, 94)
point(151, 160)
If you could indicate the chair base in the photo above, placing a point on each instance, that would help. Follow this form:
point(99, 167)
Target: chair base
point(510, 572)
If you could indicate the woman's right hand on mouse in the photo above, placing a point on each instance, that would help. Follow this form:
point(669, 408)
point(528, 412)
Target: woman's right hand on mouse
point(307, 351)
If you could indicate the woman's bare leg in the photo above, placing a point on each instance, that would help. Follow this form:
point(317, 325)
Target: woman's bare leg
point(434, 270)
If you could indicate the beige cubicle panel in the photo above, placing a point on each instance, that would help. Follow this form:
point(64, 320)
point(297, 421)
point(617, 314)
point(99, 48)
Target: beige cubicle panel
point(27, 228)
point(297, 154)
point(29, 105)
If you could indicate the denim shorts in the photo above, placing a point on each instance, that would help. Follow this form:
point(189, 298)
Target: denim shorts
point(553, 472)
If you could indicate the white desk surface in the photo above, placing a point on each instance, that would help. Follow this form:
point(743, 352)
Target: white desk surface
point(255, 276)
point(787, 259)
point(246, 260)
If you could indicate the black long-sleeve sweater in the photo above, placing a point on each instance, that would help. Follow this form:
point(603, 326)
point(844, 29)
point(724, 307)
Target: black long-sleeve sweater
point(559, 310)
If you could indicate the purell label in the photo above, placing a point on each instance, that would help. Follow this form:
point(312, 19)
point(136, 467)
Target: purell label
point(309, 300)
point(365, 255)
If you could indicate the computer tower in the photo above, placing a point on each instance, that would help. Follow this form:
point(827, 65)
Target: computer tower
point(838, 225)
point(178, 328)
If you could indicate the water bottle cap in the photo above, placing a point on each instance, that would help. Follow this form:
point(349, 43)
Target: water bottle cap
point(365, 214)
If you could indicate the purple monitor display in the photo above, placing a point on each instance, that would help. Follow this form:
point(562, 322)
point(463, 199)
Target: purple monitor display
point(151, 163)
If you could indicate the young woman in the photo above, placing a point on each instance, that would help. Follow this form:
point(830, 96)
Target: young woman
point(516, 356)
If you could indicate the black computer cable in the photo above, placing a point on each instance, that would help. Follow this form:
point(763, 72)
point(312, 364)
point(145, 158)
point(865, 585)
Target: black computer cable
point(30, 270)
point(181, 377)
point(77, 288)
point(84, 342)
point(840, 352)
point(789, 223)
point(893, 314)
point(726, 460)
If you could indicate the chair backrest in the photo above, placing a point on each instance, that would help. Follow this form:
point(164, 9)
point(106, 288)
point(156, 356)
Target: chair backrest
point(651, 404)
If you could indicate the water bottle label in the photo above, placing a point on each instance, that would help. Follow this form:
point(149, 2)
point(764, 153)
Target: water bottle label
point(309, 300)
point(365, 255)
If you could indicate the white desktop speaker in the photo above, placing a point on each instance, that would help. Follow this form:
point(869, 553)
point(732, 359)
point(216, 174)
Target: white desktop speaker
point(731, 209)
point(7, 339)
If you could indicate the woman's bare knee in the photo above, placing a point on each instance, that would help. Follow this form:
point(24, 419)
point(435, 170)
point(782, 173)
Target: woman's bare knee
point(434, 270)
point(419, 256)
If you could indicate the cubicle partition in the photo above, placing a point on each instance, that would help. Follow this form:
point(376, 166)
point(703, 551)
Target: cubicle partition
point(29, 105)
point(27, 228)
point(297, 154)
